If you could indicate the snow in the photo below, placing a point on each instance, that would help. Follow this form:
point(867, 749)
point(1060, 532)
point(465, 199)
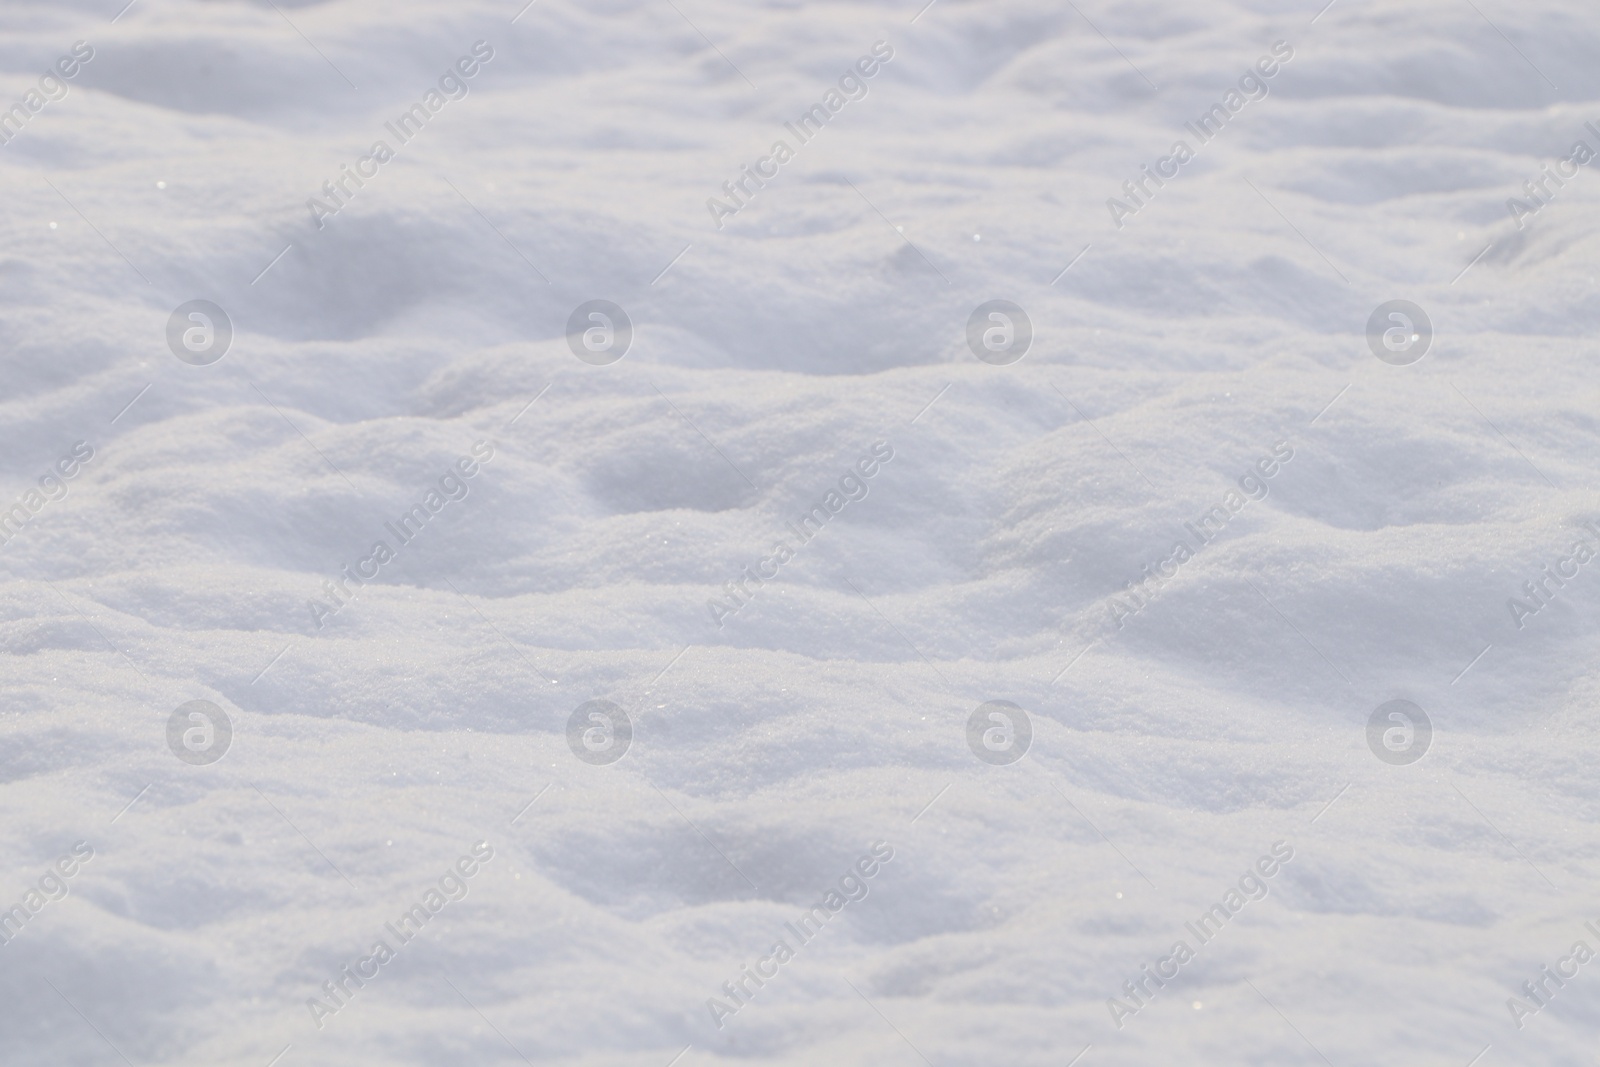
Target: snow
point(588, 671)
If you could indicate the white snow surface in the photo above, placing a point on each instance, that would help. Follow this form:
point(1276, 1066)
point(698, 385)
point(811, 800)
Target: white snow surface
point(1172, 746)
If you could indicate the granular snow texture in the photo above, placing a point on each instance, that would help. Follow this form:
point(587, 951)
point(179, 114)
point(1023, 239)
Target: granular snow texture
point(397, 499)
